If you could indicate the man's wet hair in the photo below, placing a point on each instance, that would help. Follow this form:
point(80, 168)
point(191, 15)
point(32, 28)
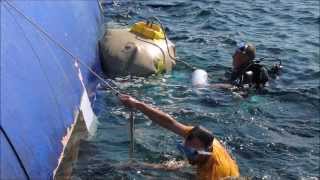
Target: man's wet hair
point(204, 135)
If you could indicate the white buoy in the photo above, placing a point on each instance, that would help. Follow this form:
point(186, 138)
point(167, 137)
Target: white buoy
point(199, 78)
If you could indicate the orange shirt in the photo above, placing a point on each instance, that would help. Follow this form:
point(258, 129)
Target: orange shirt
point(219, 165)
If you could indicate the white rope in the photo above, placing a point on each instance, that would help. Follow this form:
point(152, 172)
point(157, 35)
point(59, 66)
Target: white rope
point(74, 57)
point(78, 60)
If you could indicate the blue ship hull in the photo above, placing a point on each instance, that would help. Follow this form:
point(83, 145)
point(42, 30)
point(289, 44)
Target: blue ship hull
point(42, 88)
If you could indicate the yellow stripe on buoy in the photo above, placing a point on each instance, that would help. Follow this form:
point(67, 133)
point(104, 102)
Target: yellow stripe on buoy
point(148, 30)
point(160, 66)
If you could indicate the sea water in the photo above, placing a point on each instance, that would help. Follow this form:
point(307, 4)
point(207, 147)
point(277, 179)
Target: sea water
point(272, 134)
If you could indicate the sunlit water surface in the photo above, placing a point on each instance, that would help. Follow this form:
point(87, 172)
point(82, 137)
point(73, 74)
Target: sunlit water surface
point(272, 134)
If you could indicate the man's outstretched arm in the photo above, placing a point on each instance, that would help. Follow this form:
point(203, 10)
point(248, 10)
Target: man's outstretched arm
point(171, 165)
point(157, 116)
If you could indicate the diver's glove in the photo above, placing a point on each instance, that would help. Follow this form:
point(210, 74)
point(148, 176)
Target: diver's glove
point(276, 69)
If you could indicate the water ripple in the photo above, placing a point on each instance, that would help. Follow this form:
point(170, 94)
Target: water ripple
point(273, 134)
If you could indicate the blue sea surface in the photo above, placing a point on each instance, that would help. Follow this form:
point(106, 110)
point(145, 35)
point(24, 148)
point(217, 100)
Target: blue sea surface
point(272, 134)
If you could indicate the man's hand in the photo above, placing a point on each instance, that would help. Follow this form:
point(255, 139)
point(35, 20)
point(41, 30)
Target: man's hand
point(128, 101)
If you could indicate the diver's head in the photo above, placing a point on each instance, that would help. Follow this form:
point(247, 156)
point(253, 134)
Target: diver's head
point(243, 55)
point(198, 145)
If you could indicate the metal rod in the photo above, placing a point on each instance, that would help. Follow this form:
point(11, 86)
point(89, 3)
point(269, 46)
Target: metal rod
point(131, 135)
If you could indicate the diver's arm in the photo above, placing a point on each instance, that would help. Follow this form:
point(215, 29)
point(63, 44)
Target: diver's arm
point(167, 166)
point(226, 86)
point(157, 116)
point(229, 83)
point(171, 165)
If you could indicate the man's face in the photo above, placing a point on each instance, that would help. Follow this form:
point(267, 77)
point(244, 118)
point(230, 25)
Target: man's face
point(239, 59)
point(196, 144)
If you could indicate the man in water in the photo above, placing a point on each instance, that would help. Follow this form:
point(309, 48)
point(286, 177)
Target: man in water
point(200, 147)
point(246, 71)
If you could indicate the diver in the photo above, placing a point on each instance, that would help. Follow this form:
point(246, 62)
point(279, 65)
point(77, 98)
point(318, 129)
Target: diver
point(200, 147)
point(247, 72)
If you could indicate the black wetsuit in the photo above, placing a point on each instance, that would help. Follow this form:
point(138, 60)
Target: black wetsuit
point(258, 79)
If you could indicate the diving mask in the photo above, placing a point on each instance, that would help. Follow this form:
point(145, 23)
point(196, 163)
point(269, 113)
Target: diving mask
point(191, 153)
point(242, 48)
